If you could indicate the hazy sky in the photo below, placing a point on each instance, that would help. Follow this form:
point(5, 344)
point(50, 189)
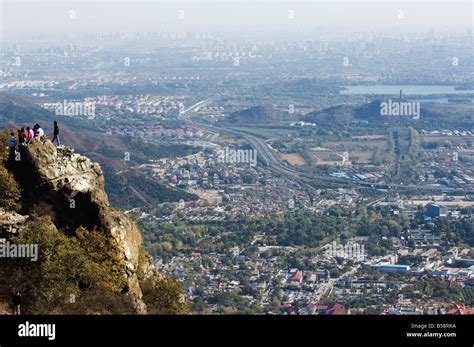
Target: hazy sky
point(291, 18)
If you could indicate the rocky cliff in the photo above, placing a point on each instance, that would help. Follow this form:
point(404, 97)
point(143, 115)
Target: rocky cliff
point(69, 188)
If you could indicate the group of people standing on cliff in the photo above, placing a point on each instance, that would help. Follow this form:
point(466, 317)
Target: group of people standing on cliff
point(28, 135)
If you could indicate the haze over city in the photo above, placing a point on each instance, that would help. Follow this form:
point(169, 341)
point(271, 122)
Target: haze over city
point(239, 158)
point(276, 20)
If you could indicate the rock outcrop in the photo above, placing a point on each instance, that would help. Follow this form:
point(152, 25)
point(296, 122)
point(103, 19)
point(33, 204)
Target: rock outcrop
point(70, 188)
point(10, 223)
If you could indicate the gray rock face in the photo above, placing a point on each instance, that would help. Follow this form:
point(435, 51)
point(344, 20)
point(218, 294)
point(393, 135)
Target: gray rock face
point(72, 189)
point(10, 223)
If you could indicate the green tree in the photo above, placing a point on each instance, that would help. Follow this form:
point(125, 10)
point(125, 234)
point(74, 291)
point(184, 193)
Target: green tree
point(9, 191)
point(164, 296)
point(65, 275)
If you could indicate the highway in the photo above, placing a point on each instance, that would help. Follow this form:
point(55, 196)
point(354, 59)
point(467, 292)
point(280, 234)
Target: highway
point(195, 107)
point(275, 164)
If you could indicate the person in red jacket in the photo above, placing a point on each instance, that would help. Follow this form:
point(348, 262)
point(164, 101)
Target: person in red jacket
point(30, 135)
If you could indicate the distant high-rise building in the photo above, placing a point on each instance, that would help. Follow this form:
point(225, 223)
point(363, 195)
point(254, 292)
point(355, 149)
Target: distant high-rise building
point(434, 210)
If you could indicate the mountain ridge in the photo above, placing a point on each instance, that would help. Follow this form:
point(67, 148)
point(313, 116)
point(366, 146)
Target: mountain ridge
point(17, 110)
